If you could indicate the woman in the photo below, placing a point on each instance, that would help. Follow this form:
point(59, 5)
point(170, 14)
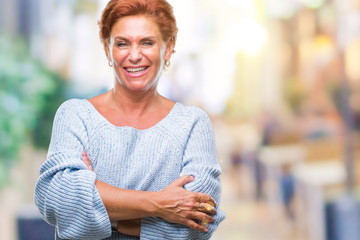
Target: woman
point(153, 170)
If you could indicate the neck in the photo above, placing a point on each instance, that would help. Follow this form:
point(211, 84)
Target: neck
point(134, 104)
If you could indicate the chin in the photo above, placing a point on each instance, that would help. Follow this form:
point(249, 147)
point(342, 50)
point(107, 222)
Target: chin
point(146, 88)
point(138, 88)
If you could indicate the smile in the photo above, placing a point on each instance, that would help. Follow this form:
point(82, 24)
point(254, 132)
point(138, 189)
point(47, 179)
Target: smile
point(135, 70)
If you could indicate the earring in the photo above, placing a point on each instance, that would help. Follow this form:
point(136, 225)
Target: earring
point(167, 63)
point(110, 63)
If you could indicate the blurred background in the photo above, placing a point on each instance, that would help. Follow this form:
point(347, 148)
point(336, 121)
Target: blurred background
point(280, 80)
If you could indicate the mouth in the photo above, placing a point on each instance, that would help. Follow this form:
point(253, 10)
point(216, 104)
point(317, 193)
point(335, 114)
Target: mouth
point(133, 70)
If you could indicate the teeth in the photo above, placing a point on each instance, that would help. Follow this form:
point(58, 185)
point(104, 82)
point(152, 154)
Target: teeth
point(135, 69)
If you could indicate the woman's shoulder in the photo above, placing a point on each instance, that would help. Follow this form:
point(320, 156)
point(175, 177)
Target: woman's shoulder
point(72, 106)
point(186, 116)
point(73, 103)
point(190, 111)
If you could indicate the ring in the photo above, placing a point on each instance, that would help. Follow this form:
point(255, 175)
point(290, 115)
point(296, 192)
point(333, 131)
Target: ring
point(204, 223)
point(205, 207)
point(200, 206)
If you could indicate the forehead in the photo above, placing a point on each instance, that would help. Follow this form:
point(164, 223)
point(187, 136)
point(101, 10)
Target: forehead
point(133, 27)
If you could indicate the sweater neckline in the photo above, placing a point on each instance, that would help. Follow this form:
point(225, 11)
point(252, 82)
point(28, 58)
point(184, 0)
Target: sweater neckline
point(161, 122)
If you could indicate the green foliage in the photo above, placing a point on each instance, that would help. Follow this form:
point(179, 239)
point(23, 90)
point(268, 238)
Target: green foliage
point(51, 100)
point(29, 97)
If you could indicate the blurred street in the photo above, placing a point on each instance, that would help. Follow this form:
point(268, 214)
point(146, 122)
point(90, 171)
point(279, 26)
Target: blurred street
point(251, 220)
point(280, 80)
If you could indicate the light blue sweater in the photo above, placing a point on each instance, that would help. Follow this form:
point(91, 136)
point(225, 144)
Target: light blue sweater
point(149, 160)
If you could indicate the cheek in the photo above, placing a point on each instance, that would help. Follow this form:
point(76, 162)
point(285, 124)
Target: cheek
point(119, 56)
point(157, 58)
point(155, 55)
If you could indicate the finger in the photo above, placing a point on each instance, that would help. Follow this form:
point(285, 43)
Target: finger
point(89, 166)
point(206, 208)
point(201, 217)
point(193, 225)
point(85, 158)
point(84, 155)
point(204, 223)
point(202, 197)
point(87, 155)
point(84, 152)
point(181, 181)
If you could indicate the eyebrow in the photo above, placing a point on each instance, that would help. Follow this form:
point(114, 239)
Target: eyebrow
point(143, 39)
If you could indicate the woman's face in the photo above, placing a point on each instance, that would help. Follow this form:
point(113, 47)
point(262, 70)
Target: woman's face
point(137, 52)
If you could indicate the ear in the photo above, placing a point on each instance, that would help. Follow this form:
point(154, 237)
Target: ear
point(107, 50)
point(169, 49)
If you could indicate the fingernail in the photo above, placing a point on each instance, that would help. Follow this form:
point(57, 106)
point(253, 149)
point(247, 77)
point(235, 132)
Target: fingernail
point(191, 178)
point(206, 230)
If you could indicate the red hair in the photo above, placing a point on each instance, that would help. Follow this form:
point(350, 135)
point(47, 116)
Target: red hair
point(160, 10)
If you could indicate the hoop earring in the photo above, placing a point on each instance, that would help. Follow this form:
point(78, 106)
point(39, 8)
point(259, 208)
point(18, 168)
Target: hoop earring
point(110, 64)
point(167, 63)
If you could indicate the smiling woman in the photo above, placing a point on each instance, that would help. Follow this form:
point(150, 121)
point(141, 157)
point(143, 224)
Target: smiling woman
point(131, 158)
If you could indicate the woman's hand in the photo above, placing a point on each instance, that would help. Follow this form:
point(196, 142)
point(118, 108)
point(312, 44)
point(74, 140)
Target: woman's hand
point(177, 205)
point(86, 159)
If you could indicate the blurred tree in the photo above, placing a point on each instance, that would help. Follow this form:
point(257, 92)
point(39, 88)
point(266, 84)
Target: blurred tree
point(29, 97)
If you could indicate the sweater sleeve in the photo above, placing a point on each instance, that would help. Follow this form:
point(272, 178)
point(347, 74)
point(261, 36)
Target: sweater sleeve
point(200, 161)
point(65, 192)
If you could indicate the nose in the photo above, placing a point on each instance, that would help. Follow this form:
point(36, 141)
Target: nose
point(135, 54)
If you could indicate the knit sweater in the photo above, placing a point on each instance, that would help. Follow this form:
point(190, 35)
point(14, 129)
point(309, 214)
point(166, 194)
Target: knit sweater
point(146, 160)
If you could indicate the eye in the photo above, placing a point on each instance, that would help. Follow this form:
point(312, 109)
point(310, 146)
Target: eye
point(148, 43)
point(121, 44)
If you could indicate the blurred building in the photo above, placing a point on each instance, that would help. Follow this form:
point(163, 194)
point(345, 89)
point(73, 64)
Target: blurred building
point(280, 79)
